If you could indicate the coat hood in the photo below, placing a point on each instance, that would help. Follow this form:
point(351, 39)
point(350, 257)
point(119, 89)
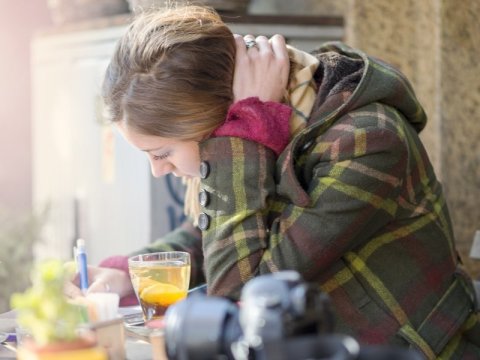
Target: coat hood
point(349, 79)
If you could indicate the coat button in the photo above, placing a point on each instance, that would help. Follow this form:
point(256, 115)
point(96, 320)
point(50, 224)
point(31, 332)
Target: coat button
point(204, 169)
point(307, 145)
point(203, 221)
point(203, 197)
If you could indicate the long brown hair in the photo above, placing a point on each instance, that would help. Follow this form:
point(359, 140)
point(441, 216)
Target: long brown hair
point(171, 74)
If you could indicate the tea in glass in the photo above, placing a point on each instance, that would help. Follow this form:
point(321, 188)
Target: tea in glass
point(159, 280)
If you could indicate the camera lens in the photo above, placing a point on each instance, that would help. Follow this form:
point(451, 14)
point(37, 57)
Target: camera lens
point(201, 328)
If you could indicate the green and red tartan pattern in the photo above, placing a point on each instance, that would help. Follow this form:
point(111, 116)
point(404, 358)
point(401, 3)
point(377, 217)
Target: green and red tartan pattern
point(360, 212)
point(375, 233)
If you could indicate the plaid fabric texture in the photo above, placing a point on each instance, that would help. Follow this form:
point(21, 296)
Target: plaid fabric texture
point(353, 204)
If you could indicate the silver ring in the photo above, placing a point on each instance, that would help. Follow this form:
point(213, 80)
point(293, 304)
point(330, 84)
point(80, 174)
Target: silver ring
point(251, 43)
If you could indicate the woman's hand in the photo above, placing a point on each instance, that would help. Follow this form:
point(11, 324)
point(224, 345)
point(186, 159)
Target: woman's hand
point(261, 70)
point(101, 280)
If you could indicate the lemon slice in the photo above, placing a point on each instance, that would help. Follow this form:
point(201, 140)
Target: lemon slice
point(162, 294)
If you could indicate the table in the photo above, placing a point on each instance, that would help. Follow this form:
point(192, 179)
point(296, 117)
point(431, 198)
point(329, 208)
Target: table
point(136, 349)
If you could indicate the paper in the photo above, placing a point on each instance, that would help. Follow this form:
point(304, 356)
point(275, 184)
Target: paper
point(102, 306)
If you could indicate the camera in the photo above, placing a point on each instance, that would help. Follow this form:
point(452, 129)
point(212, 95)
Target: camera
point(280, 317)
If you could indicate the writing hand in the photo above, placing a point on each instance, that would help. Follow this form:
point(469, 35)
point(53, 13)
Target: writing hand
point(101, 280)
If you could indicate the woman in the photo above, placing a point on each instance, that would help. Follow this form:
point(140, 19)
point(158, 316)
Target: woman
point(300, 161)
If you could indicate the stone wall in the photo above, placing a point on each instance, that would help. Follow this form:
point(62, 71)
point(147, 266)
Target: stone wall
point(459, 116)
point(299, 7)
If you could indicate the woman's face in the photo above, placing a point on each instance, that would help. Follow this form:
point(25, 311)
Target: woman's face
point(179, 157)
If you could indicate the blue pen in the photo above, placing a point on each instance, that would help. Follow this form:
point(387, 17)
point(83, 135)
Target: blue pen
point(81, 257)
point(8, 337)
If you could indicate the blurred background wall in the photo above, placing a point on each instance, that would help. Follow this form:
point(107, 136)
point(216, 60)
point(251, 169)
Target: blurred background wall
point(18, 21)
point(18, 230)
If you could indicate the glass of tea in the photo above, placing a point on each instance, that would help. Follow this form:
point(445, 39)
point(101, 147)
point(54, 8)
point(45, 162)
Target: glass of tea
point(159, 280)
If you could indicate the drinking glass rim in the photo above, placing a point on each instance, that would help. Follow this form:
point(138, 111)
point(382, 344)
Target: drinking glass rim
point(137, 259)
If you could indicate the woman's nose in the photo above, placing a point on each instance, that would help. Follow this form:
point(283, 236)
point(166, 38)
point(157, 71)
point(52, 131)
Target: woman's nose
point(160, 168)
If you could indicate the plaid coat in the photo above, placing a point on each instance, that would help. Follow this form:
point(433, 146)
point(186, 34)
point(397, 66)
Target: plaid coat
point(353, 204)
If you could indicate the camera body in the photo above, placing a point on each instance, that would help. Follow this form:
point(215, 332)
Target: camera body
point(280, 306)
point(280, 317)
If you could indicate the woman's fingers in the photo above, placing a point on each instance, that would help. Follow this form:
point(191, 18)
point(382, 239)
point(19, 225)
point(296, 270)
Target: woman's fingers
point(72, 287)
point(99, 285)
point(263, 45)
point(111, 280)
point(101, 280)
point(241, 50)
point(279, 46)
point(261, 68)
point(71, 290)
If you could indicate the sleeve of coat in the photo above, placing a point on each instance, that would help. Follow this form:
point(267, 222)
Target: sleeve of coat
point(352, 195)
